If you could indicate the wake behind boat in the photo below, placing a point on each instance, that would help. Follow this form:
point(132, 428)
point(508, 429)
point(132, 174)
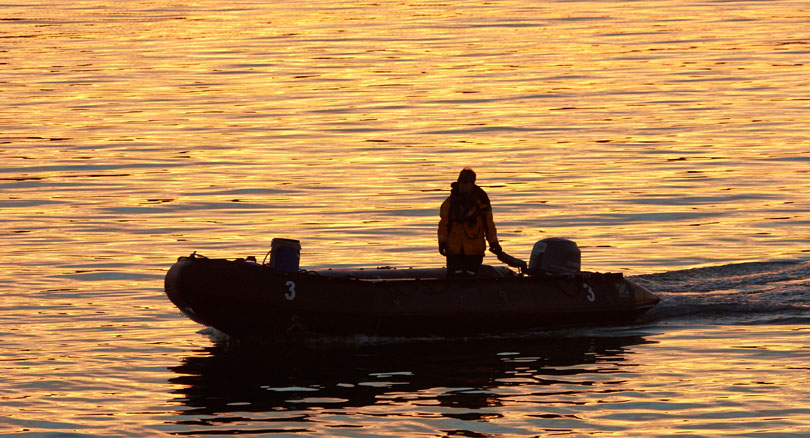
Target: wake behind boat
point(243, 298)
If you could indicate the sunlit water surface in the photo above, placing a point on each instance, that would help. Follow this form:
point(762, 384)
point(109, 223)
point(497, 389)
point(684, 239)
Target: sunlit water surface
point(668, 138)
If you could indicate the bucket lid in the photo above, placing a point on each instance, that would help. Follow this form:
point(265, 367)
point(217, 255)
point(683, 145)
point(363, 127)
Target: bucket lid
point(279, 241)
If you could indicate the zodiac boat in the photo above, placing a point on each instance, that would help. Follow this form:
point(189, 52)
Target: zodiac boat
point(246, 299)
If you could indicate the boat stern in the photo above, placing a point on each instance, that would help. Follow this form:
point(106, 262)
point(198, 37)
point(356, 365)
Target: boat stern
point(643, 298)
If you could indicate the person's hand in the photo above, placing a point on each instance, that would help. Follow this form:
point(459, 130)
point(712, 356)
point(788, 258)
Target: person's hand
point(443, 249)
point(496, 248)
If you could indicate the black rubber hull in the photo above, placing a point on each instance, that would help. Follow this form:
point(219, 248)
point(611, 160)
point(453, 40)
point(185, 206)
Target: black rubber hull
point(244, 299)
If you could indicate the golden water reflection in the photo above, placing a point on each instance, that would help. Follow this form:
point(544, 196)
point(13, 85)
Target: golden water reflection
point(607, 385)
point(657, 134)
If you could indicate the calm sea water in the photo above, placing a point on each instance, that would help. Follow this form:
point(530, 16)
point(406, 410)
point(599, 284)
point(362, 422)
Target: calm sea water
point(668, 138)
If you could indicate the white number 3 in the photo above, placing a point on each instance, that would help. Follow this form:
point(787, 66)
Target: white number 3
point(590, 293)
point(290, 295)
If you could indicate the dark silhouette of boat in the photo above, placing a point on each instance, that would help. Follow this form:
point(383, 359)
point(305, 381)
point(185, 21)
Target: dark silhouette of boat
point(245, 299)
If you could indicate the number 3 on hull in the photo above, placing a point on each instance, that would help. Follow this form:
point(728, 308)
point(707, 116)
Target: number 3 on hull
point(589, 293)
point(290, 295)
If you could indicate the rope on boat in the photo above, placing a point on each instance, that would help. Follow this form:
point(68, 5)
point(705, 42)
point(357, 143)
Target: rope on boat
point(265, 256)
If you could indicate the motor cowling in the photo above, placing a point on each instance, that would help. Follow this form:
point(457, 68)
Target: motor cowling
point(555, 255)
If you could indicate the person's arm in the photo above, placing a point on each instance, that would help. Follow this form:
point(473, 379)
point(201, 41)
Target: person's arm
point(444, 218)
point(491, 231)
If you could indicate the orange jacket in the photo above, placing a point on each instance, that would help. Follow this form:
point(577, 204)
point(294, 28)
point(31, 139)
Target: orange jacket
point(466, 222)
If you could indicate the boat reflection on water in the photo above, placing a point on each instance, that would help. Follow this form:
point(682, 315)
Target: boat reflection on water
point(304, 387)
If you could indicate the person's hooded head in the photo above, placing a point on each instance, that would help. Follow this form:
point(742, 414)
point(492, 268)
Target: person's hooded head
point(466, 179)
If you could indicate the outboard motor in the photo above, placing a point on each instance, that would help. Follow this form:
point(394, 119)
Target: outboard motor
point(555, 255)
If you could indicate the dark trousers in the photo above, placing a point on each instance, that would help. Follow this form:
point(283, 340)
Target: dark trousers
point(461, 265)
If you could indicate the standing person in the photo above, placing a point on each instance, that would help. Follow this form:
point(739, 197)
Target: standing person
point(465, 226)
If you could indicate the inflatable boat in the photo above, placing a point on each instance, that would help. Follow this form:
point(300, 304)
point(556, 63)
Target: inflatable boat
point(247, 299)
